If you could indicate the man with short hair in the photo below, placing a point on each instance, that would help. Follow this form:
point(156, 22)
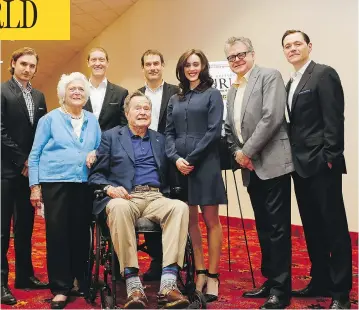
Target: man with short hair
point(21, 108)
point(131, 168)
point(315, 109)
point(106, 99)
point(257, 137)
point(159, 92)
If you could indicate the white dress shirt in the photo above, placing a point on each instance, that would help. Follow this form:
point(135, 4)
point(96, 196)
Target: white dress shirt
point(238, 101)
point(295, 77)
point(97, 96)
point(156, 99)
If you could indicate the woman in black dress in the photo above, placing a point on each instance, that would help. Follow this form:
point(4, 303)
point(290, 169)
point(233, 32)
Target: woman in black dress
point(194, 122)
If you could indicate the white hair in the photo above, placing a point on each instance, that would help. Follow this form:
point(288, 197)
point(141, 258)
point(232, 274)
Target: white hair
point(136, 93)
point(233, 40)
point(66, 79)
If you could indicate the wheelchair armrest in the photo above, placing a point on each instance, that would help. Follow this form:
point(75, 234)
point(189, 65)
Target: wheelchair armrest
point(99, 193)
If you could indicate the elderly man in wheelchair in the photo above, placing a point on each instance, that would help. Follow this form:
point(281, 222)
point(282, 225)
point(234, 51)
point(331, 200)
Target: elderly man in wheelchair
point(131, 169)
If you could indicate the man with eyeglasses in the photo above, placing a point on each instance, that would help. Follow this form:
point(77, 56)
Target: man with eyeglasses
point(257, 137)
point(316, 129)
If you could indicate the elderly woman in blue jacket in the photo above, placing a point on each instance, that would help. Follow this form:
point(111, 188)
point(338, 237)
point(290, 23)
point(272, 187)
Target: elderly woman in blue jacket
point(61, 155)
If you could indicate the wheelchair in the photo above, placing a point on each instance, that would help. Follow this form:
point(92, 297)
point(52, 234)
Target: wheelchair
point(102, 259)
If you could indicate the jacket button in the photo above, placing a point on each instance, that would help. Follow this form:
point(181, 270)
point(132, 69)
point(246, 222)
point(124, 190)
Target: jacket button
point(293, 144)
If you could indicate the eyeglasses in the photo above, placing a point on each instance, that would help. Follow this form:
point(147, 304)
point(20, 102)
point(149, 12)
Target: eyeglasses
point(240, 56)
point(76, 89)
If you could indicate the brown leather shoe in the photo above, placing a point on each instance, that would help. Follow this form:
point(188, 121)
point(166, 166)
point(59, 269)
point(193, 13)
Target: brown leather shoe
point(137, 300)
point(172, 299)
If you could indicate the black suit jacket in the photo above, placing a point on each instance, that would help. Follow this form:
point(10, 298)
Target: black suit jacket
point(316, 127)
point(168, 91)
point(112, 113)
point(115, 164)
point(17, 132)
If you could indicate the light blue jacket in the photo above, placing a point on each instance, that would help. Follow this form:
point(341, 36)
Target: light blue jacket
point(57, 154)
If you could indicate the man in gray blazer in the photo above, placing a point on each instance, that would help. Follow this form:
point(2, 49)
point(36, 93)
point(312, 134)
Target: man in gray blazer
point(257, 137)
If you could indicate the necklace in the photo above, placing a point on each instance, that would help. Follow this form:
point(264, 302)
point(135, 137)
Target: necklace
point(73, 117)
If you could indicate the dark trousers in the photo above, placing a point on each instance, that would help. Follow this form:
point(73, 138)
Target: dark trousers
point(15, 199)
point(321, 207)
point(68, 209)
point(272, 211)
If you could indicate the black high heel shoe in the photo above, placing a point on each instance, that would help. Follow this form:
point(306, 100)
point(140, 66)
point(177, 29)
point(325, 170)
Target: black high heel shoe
point(60, 304)
point(205, 272)
point(211, 297)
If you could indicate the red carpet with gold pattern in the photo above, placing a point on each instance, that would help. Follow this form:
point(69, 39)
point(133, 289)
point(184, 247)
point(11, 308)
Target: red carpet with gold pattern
point(233, 283)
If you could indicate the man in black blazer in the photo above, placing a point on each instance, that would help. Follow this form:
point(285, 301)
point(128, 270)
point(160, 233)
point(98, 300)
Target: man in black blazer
point(21, 108)
point(159, 92)
point(106, 99)
point(315, 115)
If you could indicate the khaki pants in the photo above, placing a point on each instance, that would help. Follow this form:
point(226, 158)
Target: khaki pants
point(171, 214)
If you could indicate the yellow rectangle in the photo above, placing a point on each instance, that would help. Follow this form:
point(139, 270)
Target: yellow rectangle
point(34, 19)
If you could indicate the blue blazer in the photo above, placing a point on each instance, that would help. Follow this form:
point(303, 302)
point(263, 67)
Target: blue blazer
point(115, 164)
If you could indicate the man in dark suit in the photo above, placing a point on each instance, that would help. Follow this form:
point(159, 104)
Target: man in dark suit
point(159, 92)
point(131, 167)
point(21, 108)
point(315, 115)
point(106, 99)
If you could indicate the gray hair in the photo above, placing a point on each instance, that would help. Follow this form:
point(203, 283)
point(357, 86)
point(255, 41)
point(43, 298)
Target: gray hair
point(233, 40)
point(136, 93)
point(66, 79)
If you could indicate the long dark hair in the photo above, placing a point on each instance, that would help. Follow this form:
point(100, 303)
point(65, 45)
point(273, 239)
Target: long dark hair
point(205, 78)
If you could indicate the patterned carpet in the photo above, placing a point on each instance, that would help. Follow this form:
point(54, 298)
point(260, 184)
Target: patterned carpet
point(233, 283)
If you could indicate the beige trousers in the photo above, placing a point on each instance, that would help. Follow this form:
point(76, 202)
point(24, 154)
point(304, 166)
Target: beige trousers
point(171, 214)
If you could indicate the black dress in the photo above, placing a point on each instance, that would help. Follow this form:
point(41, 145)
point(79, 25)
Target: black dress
point(193, 132)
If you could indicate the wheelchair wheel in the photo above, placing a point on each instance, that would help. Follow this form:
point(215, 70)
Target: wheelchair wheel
point(186, 279)
point(91, 293)
point(98, 253)
point(186, 273)
point(107, 301)
point(197, 301)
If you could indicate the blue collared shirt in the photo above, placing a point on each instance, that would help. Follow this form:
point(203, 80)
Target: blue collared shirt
point(57, 154)
point(145, 165)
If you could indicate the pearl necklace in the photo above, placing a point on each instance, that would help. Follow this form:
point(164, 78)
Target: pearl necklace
point(73, 117)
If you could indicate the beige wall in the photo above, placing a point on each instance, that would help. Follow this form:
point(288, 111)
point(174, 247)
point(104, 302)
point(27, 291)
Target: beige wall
point(172, 26)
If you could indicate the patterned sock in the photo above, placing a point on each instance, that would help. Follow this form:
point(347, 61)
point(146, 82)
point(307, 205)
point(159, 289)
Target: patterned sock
point(133, 282)
point(169, 277)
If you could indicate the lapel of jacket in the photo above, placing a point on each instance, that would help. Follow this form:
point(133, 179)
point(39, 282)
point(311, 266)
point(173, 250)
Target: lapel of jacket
point(164, 101)
point(88, 105)
point(20, 98)
point(125, 140)
point(287, 88)
point(106, 100)
point(306, 76)
point(36, 99)
point(249, 88)
point(156, 148)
